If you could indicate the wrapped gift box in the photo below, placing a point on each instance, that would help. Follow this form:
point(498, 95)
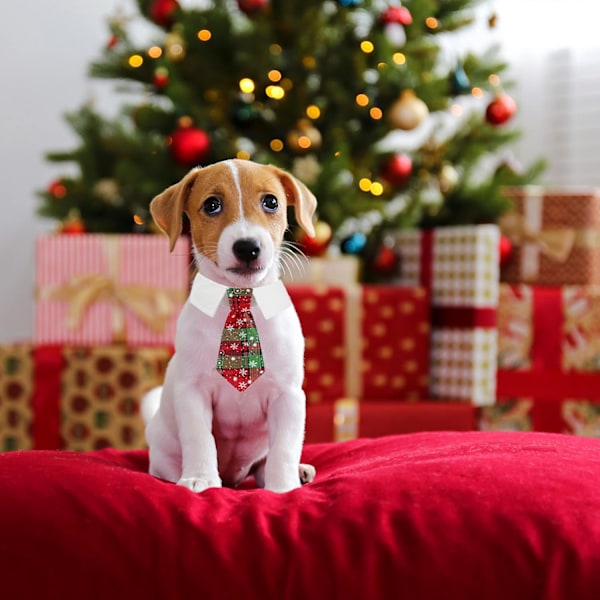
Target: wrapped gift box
point(549, 350)
point(575, 417)
point(555, 235)
point(76, 397)
point(347, 419)
point(459, 266)
point(364, 341)
point(317, 270)
point(102, 289)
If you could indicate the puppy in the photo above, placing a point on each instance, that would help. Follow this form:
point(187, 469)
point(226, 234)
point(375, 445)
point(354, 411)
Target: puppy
point(208, 430)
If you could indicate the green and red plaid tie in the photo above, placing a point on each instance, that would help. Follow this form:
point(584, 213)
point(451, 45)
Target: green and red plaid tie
point(240, 358)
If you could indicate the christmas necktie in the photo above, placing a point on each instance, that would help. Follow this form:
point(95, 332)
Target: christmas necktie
point(240, 358)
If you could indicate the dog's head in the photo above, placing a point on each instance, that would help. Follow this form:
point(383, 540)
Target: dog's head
point(238, 215)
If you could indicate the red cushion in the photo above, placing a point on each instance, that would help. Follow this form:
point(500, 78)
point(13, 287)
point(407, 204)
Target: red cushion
point(424, 516)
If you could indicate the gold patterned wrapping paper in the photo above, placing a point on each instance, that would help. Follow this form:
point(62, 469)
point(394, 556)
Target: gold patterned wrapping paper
point(555, 235)
point(16, 384)
point(459, 265)
point(76, 397)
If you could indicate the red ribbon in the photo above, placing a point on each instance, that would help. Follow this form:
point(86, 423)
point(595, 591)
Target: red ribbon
point(450, 317)
point(548, 318)
point(48, 365)
point(548, 384)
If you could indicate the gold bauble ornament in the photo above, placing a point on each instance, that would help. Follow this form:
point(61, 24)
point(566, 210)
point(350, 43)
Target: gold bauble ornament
point(304, 138)
point(408, 112)
point(448, 178)
point(174, 46)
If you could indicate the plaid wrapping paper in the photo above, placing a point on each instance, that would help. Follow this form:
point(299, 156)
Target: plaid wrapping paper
point(75, 397)
point(459, 265)
point(364, 341)
point(103, 289)
point(555, 235)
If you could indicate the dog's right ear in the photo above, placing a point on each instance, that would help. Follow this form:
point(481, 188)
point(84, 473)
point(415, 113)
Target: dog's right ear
point(167, 208)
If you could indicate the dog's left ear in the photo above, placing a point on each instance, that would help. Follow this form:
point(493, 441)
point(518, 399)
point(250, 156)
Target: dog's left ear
point(301, 198)
point(167, 208)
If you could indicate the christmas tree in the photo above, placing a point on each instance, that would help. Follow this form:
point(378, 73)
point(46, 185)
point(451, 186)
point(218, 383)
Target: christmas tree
point(333, 91)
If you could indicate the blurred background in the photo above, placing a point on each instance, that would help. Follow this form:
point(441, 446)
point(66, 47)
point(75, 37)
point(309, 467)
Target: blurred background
point(551, 48)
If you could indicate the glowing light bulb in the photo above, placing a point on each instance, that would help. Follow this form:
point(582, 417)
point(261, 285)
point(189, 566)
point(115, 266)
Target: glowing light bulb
point(276, 145)
point(247, 86)
point(367, 47)
point(276, 92)
point(204, 35)
point(362, 99)
point(365, 184)
point(399, 58)
point(136, 61)
point(138, 220)
point(274, 75)
point(313, 112)
point(155, 52)
point(477, 92)
point(432, 22)
point(376, 113)
point(376, 188)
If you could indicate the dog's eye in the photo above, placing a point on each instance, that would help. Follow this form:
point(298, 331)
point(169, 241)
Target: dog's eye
point(270, 203)
point(212, 206)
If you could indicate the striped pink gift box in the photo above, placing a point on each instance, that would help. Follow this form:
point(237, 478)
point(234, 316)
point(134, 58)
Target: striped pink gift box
point(105, 288)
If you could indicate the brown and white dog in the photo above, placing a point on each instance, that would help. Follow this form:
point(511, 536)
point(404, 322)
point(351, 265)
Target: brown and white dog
point(204, 432)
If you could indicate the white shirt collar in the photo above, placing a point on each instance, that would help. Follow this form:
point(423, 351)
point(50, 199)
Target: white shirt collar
point(206, 295)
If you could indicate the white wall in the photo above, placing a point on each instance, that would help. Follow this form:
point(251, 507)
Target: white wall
point(47, 49)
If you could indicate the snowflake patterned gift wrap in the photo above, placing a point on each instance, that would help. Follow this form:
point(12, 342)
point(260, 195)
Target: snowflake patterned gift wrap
point(555, 235)
point(76, 397)
point(105, 288)
point(364, 342)
point(459, 266)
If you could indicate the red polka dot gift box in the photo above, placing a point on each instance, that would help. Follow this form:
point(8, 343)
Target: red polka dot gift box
point(75, 397)
point(366, 342)
point(105, 288)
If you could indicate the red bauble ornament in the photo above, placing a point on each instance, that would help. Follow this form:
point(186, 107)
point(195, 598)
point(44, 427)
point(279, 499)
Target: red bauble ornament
point(317, 245)
point(504, 250)
point(161, 78)
point(162, 11)
point(73, 225)
point(500, 109)
point(57, 189)
point(398, 169)
point(251, 7)
point(386, 261)
point(113, 41)
point(190, 146)
point(399, 15)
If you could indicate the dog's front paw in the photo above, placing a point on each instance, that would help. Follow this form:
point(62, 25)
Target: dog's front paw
point(198, 484)
point(307, 473)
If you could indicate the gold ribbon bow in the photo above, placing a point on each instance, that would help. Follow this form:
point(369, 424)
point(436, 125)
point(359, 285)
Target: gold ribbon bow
point(153, 306)
point(555, 243)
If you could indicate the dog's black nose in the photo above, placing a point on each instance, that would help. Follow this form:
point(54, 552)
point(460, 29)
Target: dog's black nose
point(246, 250)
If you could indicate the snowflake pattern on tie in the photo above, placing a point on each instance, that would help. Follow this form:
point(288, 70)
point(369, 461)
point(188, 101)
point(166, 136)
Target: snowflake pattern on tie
point(240, 358)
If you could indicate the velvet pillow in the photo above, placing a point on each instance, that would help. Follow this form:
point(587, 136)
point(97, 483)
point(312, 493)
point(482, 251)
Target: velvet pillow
point(489, 516)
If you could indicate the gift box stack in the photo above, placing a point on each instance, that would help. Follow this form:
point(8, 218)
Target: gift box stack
point(549, 314)
point(459, 267)
point(380, 359)
point(105, 314)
